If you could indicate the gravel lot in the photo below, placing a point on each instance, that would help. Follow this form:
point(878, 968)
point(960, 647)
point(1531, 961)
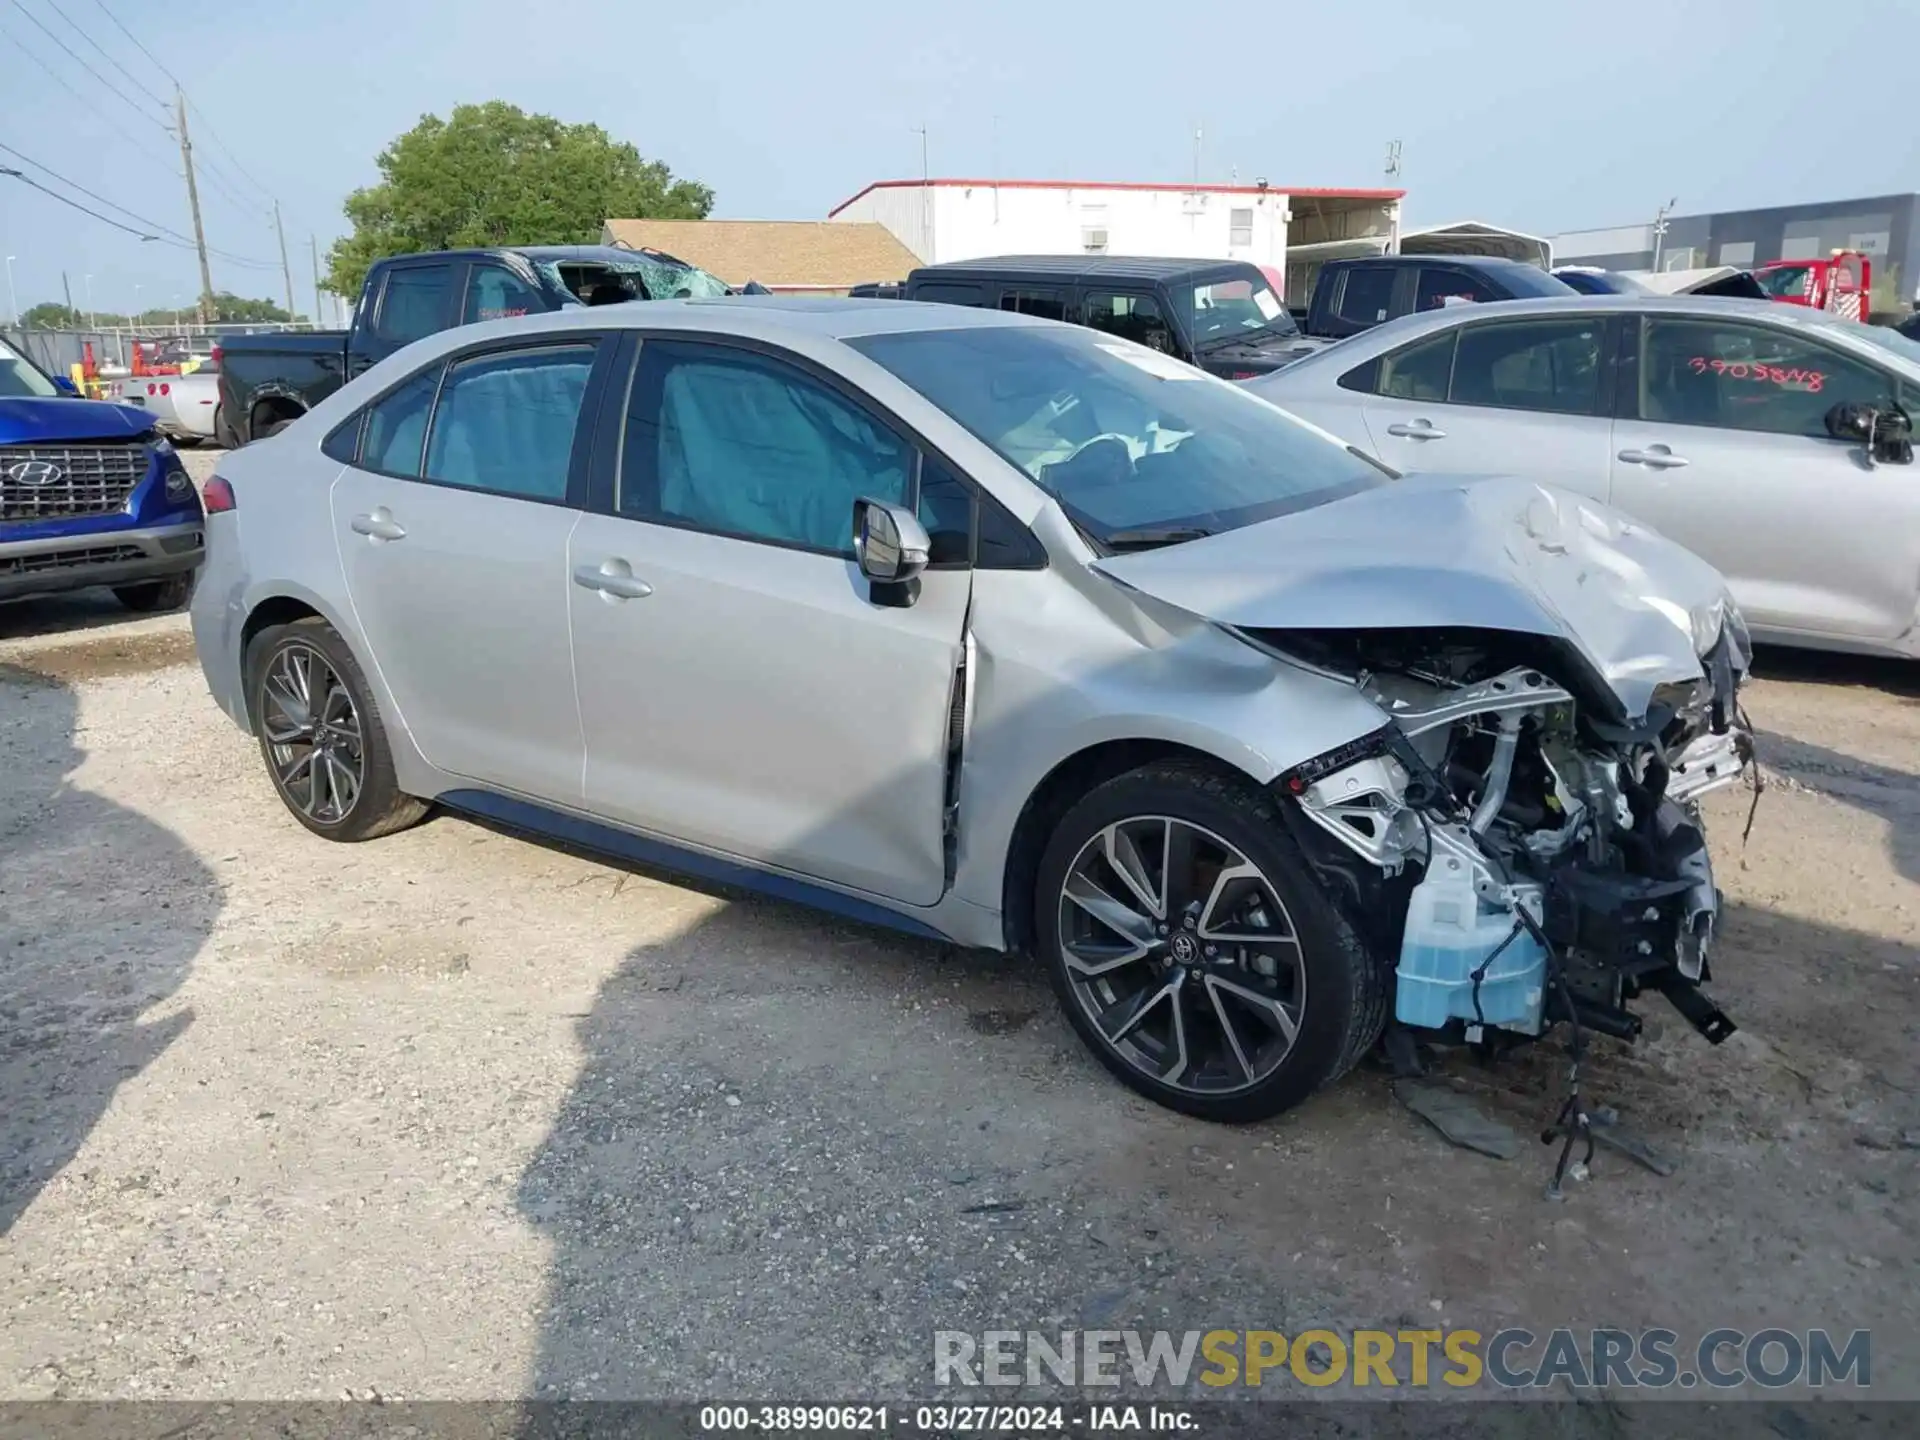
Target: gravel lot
point(455, 1115)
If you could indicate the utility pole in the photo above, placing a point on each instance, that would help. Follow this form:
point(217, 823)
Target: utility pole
point(67, 286)
point(193, 204)
point(285, 272)
point(314, 243)
point(1660, 229)
point(926, 194)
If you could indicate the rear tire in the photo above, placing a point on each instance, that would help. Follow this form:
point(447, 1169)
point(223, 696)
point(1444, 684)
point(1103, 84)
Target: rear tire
point(150, 596)
point(321, 735)
point(272, 428)
point(1247, 991)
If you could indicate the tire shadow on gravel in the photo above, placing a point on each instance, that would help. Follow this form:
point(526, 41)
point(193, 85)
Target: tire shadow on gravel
point(102, 912)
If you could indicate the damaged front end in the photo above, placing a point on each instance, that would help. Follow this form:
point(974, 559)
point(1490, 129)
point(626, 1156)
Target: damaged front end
point(1535, 853)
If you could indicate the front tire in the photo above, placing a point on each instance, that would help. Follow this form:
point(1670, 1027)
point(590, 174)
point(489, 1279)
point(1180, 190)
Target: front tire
point(321, 734)
point(1194, 952)
point(150, 596)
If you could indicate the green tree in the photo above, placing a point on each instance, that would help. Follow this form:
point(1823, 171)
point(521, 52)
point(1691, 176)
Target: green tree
point(231, 309)
point(494, 175)
point(51, 315)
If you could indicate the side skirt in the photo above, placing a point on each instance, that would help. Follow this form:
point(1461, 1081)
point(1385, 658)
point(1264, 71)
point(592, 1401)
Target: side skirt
point(541, 822)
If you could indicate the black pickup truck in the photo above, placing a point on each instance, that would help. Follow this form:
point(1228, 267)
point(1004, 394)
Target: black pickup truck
point(269, 381)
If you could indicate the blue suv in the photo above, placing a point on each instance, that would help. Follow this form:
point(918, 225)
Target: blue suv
point(90, 494)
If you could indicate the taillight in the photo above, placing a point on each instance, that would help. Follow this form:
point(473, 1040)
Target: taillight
point(152, 388)
point(217, 496)
point(163, 389)
point(216, 357)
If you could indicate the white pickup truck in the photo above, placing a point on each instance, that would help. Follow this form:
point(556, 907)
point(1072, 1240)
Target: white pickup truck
point(184, 407)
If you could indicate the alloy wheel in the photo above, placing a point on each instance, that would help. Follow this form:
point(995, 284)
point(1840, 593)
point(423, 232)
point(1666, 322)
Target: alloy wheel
point(312, 733)
point(1180, 952)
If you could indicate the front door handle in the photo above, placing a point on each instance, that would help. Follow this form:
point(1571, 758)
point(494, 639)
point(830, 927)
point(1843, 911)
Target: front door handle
point(380, 525)
point(1418, 430)
point(612, 578)
point(1654, 457)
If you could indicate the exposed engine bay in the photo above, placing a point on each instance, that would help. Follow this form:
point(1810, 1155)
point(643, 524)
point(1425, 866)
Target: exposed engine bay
point(1542, 847)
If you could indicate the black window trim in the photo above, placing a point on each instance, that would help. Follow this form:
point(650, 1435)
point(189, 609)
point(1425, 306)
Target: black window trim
point(610, 440)
point(577, 465)
point(1632, 341)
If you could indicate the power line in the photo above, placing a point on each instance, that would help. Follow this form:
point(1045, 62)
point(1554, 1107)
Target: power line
point(86, 104)
point(68, 50)
point(206, 128)
point(76, 205)
point(136, 42)
point(221, 181)
point(74, 25)
point(91, 195)
point(161, 233)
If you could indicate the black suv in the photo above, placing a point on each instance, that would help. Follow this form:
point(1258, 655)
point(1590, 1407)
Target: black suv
point(1354, 295)
point(1221, 315)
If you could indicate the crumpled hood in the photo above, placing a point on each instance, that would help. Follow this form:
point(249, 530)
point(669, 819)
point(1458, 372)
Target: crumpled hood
point(36, 421)
point(1492, 552)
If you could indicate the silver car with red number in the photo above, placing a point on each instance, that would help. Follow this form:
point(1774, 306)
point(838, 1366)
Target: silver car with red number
point(1772, 440)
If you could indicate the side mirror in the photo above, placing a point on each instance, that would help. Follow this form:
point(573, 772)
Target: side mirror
point(64, 385)
point(892, 547)
point(1887, 434)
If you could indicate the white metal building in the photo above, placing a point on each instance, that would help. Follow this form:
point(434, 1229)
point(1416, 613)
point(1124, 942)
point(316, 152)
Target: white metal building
point(941, 220)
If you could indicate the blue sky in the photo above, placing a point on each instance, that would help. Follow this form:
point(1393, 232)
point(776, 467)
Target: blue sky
point(1542, 116)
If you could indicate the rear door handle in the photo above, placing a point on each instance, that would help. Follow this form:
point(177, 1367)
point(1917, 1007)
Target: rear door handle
point(1418, 430)
point(1654, 457)
point(380, 525)
point(612, 578)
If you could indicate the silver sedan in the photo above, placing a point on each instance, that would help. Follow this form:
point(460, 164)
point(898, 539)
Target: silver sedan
point(1007, 633)
point(1770, 439)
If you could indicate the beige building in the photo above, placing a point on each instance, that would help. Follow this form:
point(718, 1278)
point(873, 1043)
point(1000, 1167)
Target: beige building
point(820, 257)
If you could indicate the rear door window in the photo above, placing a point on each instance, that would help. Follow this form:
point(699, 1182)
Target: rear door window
point(496, 293)
point(1550, 365)
point(414, 303)
point(1045, 302)
point(1443, 285)
point(950, 293)
point(1134, 317)
point(1419, 371)
point(507, 420)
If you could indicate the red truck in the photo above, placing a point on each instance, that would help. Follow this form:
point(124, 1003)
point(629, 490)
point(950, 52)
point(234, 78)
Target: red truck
point(1839, 284)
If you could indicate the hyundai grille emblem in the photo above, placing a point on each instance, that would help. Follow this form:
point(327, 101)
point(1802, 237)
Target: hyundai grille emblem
point(35, 474)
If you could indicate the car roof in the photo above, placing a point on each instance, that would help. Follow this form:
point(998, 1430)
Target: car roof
point(764, 317)
point(1703, 307)
point(606, 254)
point(1069, 267)
point(1491, 262)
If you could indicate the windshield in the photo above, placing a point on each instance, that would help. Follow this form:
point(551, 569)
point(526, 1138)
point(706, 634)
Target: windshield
point(1784, 280)
point(1600, 282)
point(1240, 308)
point(601, 282)
point(20, 378)
point(1889, 339)
point(1125, 438)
